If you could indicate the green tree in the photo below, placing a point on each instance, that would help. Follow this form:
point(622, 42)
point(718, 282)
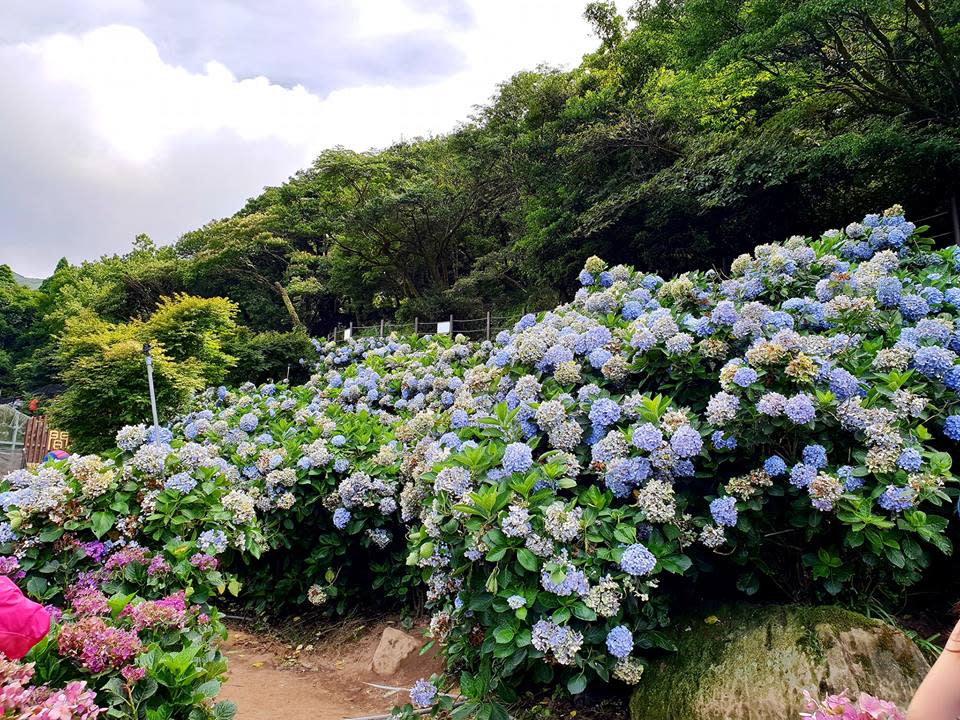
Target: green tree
point(102, 364)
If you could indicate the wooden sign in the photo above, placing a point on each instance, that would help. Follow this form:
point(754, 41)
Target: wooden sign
point(40, 439)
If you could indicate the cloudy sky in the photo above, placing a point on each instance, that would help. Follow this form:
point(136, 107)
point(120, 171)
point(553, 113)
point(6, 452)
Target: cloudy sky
point(128, 116)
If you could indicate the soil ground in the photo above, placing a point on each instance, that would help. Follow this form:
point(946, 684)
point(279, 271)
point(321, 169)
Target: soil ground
point(319, 676)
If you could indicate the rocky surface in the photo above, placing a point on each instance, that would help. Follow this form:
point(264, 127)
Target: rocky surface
point(753, 664)
point(394, 649)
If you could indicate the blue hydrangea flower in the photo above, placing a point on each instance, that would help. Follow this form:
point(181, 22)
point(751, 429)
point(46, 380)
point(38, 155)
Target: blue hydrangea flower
point(341, 516)
point(725, 313)
point(724, 511)
point(774, 466)
point(745, 377)
point(212, 542)
point(574, 582)
point(249, 422)
point(647, 437)
point(815, 456)
point(802, 475)
point(620, 642)
point(632, 310)
point(851, 482)
point(166, 434)
point(526, 322)
point(933, 297)
point(799, 409)
point(723, 442)
point(686, 442)
point(585, 278)
point(910, 460)
point(952, 378)
point(888, 291)
point(338, 441)
point(913, 307)
point(598, 357)
point(517, 457)
point(933, 362)
point(604, 412)
point(7, 533)
point(181, 482)
point(423, 693)
point(951, 427)
point(897, 499)
point(843, 384)
point(637, 560)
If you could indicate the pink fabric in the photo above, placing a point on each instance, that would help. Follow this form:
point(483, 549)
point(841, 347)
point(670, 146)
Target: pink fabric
point(23, 623)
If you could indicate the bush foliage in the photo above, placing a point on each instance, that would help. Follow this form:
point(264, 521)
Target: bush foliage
point(104, 370)
point(555, 494)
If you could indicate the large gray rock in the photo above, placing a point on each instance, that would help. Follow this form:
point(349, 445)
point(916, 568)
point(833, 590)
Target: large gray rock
point(395, 647)
point(754, 663)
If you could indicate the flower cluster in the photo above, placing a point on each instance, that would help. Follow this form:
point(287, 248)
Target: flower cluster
point(543, 480)
point(865, 707)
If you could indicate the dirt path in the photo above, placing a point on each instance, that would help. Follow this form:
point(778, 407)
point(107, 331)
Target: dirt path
point(269, 679)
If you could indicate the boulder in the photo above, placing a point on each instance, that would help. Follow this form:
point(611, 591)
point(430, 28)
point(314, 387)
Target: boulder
point(395, 647)
point(752, 663)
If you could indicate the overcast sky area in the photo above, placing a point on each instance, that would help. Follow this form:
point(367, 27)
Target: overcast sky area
point(156, 116)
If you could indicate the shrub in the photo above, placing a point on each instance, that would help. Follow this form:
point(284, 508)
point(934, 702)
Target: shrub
point(269, 356)
point(133, 624)
point(555, 494)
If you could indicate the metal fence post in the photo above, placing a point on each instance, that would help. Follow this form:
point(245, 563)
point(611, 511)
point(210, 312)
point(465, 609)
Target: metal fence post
point(451, 326)
point(488, 324)
point(416, 326)
point(153, 395)
point(381, 327)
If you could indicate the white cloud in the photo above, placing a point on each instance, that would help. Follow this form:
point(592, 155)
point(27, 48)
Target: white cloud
point(112, 139)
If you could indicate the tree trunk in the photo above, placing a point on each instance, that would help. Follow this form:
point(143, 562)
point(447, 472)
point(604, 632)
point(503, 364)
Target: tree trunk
point(288, 303)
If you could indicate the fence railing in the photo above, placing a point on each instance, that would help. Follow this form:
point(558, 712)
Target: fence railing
point(482, 328)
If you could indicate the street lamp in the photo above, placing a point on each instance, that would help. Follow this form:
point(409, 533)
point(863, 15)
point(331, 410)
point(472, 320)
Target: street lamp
point(153, 396)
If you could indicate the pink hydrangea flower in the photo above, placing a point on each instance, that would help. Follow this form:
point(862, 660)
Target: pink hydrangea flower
point(841, 707)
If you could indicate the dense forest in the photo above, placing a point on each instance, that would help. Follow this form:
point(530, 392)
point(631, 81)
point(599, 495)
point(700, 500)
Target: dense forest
point(695, 130)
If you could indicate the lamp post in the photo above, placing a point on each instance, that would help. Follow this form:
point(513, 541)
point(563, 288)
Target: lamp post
point(153, 396)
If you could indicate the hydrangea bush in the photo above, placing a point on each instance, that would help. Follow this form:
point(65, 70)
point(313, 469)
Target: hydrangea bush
point(556, 492)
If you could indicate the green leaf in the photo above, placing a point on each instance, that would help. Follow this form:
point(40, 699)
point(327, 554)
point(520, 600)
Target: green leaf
point(627, 534)
point(504, 634)
point(577, 684)
point(224, 710)
point(118, 602)
point(584, 613)
point(528, 560)
point(677, 564)
point(209, 689)
point(101, 522)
